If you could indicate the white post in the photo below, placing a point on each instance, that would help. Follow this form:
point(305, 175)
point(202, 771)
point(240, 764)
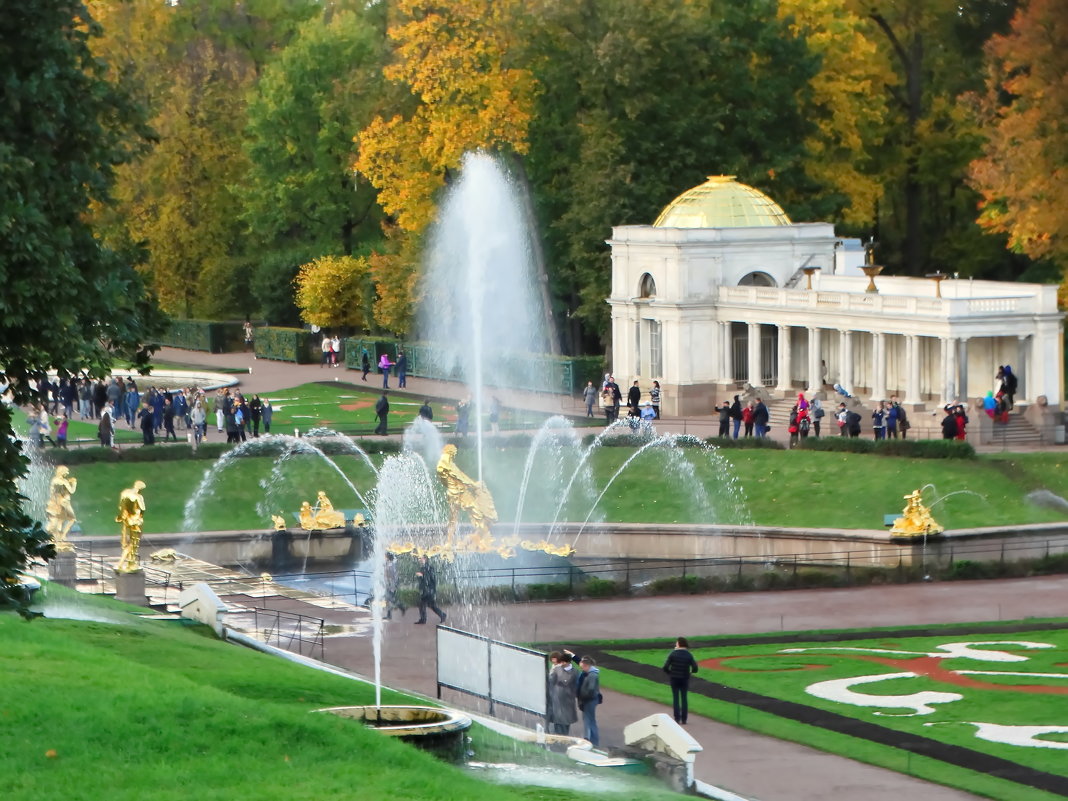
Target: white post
point(784, 359)
point(912, 356)
point(754, 354)
point(815, 360)
point(878, 381)
point(846, 378)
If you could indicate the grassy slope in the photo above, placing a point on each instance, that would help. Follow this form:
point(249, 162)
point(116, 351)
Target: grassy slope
point(787, 488)
point(156, 710)
point(786, 677)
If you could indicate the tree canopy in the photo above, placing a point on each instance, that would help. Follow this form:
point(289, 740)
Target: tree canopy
point(70, 303)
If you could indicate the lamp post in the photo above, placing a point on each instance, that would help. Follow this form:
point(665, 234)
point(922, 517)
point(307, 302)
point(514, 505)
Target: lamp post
point(809, 272)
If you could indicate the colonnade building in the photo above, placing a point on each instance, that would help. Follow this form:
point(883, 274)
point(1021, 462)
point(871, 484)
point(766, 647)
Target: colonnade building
point(724, 290)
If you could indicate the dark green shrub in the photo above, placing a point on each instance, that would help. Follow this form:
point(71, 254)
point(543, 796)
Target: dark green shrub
point(212, 336)
point(926, 448)
point(965, 569)
point(677, 585)
point(814, 578)
point(286, 345)
point(838, 444)
point(746, 443)
point(602, 588)
point(548, 592)
point(1054, 563)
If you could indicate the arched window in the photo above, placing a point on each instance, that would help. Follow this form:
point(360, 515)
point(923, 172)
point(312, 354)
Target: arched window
point(647, 287)
point(757, 278)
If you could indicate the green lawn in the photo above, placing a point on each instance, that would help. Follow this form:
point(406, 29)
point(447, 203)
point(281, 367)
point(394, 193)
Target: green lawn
point(773, 488)
point(770, 670)
point(151, 709)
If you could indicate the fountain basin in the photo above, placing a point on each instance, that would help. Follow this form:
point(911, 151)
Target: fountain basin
point(441, 731)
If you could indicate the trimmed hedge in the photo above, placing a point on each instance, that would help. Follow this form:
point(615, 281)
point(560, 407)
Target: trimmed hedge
point(913, 448)
point(331, 446)
point(287, 345)
point(211, 336)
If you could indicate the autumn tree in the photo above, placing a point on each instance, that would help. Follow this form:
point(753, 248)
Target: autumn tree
point(331, 291)
point(1022, 175)
point(465, 93)
point(68, 301)
point(934, 49)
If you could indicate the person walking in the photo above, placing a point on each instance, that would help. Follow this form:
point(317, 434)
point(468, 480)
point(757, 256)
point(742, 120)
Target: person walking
point(563, 688)
point(428, 590)
point(266, 411)
point(384, 366)
point(634, 396)
point(365, 363)
point(736, 415)
point(382, 413)
point(679, 665)
point(816, 408)
point(392, 584)
point(402, 370)
point(589, 397)
point(588, 696)
point(654, 398)
point(760, 418)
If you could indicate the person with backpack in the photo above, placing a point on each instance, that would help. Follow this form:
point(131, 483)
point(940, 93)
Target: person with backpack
point(853, 423)
point(589, 696)
point(816, 407)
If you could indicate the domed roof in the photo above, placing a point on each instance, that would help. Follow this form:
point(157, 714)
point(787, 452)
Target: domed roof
point(722, 202)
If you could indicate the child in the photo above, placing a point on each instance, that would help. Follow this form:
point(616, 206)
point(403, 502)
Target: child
point(61, 431)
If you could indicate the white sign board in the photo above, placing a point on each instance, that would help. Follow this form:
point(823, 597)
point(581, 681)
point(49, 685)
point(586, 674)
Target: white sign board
point(499, 671)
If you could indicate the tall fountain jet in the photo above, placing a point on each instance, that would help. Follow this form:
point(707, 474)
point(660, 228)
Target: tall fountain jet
point(481, 306)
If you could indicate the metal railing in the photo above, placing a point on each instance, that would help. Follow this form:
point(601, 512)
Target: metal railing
point(291, 631)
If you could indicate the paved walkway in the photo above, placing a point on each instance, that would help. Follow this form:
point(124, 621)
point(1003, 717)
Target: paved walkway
point(751, 765)
point(267, 376)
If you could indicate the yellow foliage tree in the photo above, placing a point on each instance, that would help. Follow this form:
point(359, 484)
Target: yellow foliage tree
point(848, 102)
point(332, 291)
point(453, 58)
point(1023, 173)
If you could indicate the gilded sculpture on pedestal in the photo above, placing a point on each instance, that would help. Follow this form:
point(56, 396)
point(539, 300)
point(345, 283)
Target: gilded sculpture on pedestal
point(464, 494)
point(319, 517)
point(916, 520)
point(132, 517)
point(59, 512)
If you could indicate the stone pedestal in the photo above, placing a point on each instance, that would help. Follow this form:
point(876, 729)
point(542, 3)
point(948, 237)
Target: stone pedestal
point(130, 588)
point(63, 569)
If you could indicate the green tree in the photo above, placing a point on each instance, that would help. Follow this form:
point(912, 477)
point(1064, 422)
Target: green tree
point(641, 99)
point(69, 303)
point(308, 104)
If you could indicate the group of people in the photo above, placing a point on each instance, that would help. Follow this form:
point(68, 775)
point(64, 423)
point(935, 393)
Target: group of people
point(610, 398)
point(572, 691)
point(750, 419)
point(239, 417)
point(385, 367)
point(955, 421)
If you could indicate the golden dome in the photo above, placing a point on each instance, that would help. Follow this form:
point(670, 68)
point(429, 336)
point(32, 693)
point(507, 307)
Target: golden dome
point(722, 202)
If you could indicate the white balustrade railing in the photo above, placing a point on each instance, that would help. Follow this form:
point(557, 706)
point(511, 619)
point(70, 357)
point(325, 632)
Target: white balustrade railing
point(891, 305)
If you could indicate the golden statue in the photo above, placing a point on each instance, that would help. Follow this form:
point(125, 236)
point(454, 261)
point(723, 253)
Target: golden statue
point(132, 517)
point(307, 517)
point(916, 520)
point(279, 522)
point(59, 512)
point(327, 516)
point(465, 494)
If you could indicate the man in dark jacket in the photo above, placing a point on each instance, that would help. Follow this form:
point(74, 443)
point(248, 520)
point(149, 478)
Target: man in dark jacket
point(760, 418)
point(725, 419)
point(382, 412)
point(736, 415)
point(634, 396)
point(428, 590)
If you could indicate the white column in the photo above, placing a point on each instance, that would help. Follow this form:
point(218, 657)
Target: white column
point(948, 347)
point(727, 352)
point(878, 380)
point(815, 359)
point(962, 370)
point(754, 354)
point(784, 359)
point(912, 356)
point(1021, 369)
point(846, 378)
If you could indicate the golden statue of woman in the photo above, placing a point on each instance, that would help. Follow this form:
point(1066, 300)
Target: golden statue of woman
point(465, 494)
point(132, 517)
point(307, 517)
point(326, 516)
point(60, 513)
